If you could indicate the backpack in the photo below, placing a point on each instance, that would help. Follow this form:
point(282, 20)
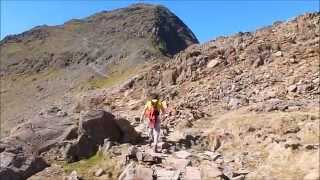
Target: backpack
point(153, 112)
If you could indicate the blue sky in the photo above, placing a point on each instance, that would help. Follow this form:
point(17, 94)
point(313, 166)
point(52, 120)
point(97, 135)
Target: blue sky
point(207, 19)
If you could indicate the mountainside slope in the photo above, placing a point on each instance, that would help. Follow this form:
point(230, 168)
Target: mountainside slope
point(255, 93)
point(276, 65)
point(243, 107)
point(52, 63)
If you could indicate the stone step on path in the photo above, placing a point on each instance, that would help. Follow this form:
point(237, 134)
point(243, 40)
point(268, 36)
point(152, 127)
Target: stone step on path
point(175, 163)
point(164, 174)
point(192, 173)
point(145, 172)
point(211, 171)
point(182, 154)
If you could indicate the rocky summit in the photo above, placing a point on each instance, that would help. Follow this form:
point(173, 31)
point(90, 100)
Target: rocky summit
point(239, 107)
point(126, 36)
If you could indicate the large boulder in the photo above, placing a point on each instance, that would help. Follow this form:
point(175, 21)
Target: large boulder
point(41, 133)
point(17, 163)
point(21, 153)
point(169, 77)
point(98, 125)
point(94, 127)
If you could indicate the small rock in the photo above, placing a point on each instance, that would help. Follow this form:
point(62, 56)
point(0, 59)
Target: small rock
point(145, 157)
point(165, 151)
point(270, 94)
point(163, 145)
point(293, 145)
point(305, 88)
point(316, 81)
point(241, 177)
point(132, 151)
point(219, 160)
point(163, 174)
point(311, 146)
point(292, 130)
point(6, 159)
point(99, 172)
point(227, 171)
point(258, 62)
point(241, 172)
point(251, 129)
point(278, 54)
point(176, 175)
point(177, 163)
point(182, 154)
point(293, 108)
point(62, 114)
point(73, 176)
point(228, 159)
point(172, 149)
point(107, 143)
point(192, 173)
point(293, 60)
point(39, 88)
point(213, 63)
point(292, 88)
point(143, 173)
point(211, 171)
point(128, 172)
point(235, 103)
point(212, 155)
point(53, 110)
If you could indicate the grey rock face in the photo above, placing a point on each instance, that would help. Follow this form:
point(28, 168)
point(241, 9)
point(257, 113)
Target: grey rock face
point(95, 127)
point(18, 164)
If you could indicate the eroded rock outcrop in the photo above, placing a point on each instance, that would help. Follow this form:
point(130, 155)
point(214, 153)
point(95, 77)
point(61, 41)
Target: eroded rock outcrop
point(94, 128)
point(50, 136)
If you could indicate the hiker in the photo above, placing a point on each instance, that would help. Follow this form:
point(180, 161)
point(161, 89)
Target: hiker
point(152, 111)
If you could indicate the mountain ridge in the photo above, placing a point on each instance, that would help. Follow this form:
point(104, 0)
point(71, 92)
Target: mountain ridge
point(153, 28)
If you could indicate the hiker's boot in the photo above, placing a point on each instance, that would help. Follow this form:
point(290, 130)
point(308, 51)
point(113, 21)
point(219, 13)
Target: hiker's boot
point(155, 148)
point(150, 142)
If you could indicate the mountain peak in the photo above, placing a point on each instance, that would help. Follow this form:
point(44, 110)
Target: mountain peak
point(128, 36)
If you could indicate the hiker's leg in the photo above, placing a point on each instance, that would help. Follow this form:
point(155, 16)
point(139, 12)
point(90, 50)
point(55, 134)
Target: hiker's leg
point(156, 132)
point(150, 133)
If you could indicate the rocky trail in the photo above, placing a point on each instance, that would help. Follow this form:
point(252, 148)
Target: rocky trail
point(194, 152)
point(174, 160)
point(178, 162)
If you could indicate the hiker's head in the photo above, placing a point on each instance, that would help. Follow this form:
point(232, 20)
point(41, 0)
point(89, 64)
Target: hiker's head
point(154, 96)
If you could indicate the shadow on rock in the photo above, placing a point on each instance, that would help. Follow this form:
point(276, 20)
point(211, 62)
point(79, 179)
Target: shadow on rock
point(94, 128)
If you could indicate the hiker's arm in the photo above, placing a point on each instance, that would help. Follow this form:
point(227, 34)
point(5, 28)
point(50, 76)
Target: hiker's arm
point(164, 107)
point(163, 110)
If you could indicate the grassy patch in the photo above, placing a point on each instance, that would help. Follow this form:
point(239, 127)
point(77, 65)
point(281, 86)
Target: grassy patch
point(74, 26)
point(113, 79)
point(87, 167)
point(83, 165)
point(160, 46)
point(29, 77)
point(11, 49)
